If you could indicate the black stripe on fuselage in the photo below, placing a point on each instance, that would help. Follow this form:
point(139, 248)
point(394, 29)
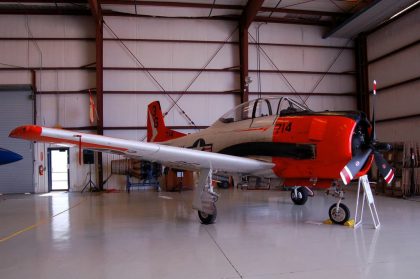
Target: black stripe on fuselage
point(273, 149)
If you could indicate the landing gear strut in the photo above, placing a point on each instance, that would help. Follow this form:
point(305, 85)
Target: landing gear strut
point(300, 194)
point(339, 213)
point(205, 198)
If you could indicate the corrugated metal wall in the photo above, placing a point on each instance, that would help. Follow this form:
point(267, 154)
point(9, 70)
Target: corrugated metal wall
point(394, 55)
point(324, 66)
point(57, 48)
point(16, 108)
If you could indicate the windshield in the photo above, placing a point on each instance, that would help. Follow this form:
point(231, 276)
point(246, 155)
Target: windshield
point(289, 106)
point(263, 107)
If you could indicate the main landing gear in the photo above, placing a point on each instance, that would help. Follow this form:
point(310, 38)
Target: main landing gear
point(300, 194)
point(205, 198)
point(339, 213)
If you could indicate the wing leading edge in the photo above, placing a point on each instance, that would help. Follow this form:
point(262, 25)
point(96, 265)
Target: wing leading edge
point(171, 156)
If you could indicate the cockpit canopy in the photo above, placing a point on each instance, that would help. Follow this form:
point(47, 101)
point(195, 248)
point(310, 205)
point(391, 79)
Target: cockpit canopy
point(264, 107)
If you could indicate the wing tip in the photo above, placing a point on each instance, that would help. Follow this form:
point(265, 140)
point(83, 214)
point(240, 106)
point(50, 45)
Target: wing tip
point(26, 132)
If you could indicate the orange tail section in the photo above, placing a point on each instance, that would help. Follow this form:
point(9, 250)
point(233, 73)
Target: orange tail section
point(156, 129)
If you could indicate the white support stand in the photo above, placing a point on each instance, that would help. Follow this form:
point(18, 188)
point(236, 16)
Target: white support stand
point(367, 195)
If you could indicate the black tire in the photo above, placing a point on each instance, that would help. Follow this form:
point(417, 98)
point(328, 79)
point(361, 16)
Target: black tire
point(207, 219)
point(341, 216)
point(301, 198)
point(224, 185)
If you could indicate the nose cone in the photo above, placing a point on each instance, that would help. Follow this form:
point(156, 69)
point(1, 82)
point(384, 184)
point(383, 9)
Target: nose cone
point(7, 157)
point(28, 132)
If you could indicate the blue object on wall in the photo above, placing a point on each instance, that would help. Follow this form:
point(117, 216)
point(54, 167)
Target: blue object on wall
point(7, 156)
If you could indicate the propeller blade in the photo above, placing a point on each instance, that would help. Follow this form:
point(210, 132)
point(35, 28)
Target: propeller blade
point(384, 168)
point(354, 166)
point(373, 112)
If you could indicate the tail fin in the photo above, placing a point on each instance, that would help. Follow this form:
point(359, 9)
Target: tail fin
point(156, 129)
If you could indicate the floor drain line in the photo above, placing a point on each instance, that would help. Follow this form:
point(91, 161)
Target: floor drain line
point(224, 254)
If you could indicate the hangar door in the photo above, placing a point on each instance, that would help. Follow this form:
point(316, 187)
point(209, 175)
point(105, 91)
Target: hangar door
point(16, 108)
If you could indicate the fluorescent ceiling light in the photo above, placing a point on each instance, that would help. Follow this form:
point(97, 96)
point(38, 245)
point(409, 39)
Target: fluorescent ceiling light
point(409, 7)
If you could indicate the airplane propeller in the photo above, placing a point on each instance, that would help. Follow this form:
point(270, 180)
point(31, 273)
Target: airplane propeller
point(384, 168)
point(363, 152)
point(373, 113)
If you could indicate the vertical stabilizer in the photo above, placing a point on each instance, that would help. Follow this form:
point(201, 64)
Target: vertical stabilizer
point(156, 129)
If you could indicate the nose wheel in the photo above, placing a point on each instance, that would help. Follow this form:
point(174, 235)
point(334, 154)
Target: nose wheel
point(339, 213)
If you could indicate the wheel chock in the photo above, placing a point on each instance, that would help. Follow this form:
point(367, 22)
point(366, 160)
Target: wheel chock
point(328, 222)
point(349, 223)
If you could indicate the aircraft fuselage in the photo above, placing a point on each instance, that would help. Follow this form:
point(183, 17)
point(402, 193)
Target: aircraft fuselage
point(308, 149)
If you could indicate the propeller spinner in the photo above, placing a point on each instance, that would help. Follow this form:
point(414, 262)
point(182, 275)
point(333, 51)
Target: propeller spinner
point(363, 150)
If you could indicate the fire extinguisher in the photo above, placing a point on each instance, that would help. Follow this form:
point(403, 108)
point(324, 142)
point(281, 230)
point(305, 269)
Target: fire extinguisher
point(41, 170)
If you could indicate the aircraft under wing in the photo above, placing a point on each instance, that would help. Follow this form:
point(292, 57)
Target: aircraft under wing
point(170, 156)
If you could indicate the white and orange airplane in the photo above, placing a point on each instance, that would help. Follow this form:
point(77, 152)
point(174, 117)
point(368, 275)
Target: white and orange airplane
point(266, 137)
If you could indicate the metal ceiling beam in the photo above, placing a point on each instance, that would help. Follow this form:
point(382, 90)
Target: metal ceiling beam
point(46, 1)
point(391, 20)
point(96, 10)
point(368, 17)
point(301, 12)
point(167, 41)
point(97, 14)
point(229, 18)
point(250, 12)
point(49, 11)
point(172, 4)
point(81, 12)
point(292, 21)
point(72, 11)
point(220, 7)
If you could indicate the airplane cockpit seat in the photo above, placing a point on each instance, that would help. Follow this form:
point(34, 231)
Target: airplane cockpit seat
point(288, 111)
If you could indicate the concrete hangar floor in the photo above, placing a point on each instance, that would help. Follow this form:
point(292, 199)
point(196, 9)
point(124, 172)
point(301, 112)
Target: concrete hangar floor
point(258, 234)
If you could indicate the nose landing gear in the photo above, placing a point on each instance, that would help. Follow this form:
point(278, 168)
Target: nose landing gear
point(339, 213)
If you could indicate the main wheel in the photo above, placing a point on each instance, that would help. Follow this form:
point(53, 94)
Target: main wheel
point(207, 218)
point(339, 215)
point(300, 197)
point(223, 184)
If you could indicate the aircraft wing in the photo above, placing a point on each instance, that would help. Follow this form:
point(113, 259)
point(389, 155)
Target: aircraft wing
point(176, 157)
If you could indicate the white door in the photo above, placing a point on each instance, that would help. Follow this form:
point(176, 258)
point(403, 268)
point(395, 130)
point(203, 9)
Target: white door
point(59, 169)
